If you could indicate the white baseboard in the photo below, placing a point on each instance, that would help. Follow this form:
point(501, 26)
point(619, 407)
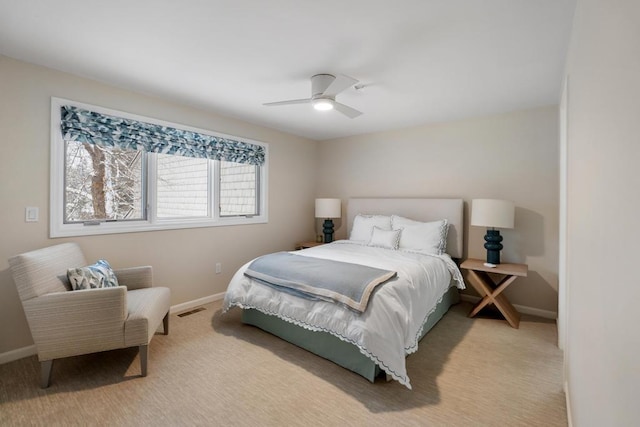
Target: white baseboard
point(18, 353)
point(547, 314)
point(30, 350)
point(178, 308)
point(566, 396)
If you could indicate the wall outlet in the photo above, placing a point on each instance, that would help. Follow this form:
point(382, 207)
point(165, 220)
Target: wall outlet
point(31, 214)
point(218, 268)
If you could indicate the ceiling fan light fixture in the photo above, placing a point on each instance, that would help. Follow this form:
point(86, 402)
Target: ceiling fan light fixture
point(322, 104)
point(324, 89)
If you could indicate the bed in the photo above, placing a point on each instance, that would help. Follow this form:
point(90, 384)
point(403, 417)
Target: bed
point(379, 339)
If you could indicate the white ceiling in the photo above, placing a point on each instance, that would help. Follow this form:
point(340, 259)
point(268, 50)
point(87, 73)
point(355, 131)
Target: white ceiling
point(421, 61)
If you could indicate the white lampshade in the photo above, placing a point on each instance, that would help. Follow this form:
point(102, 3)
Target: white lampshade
point(328, 208)
point(492, 213)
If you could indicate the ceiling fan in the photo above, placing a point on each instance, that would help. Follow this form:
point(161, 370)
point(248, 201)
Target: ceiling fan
point(324, 88)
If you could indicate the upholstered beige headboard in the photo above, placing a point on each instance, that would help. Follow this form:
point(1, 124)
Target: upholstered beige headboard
point(419, 210)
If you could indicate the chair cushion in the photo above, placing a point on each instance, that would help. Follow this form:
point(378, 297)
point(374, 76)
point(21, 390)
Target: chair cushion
point(98, 275)
point(146, 308)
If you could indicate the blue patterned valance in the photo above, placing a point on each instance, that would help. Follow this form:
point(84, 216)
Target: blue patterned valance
point(82, 125)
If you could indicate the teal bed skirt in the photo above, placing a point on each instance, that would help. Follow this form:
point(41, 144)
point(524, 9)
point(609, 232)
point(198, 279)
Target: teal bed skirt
point(328, 346)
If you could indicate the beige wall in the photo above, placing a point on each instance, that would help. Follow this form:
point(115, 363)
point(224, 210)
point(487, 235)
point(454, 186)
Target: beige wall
point(510, 156)
point(182, 259)
point(603, 289)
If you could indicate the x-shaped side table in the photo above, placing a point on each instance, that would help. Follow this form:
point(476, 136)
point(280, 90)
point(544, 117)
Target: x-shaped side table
point(490, 290)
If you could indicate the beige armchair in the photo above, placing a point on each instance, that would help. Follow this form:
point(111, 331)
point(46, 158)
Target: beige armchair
point(66, 323)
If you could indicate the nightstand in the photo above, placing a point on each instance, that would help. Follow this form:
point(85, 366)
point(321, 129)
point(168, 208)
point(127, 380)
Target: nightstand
point(306, 245)
point(491, 291)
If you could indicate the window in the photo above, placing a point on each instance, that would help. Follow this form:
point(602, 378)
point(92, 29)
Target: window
point(102, 184)
point(183, 187)
point(113, 172)
point(238, 189)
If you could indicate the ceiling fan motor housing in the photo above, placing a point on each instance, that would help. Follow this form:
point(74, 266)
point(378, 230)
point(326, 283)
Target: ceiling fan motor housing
point(320, 83)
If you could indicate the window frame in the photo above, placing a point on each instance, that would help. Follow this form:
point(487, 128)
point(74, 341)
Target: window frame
point(57, 227)
point(144, 178)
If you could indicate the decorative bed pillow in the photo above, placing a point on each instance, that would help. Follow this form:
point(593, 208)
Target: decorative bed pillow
point(98, 275)
point(363, 226)
point(388, 239)
point(426, 237)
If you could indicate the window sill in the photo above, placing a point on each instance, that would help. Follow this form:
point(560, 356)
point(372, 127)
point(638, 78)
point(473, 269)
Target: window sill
point(72, 230)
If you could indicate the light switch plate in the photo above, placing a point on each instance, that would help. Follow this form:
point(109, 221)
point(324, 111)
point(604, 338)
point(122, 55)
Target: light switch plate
point(31, 214)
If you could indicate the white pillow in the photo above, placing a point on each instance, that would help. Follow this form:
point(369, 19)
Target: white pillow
point(363, 226)
point(388, 239)
point(426, 237)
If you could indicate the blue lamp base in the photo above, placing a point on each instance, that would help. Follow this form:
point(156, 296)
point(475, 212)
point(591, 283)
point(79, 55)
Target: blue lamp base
point(493, 246)
point(327, 229)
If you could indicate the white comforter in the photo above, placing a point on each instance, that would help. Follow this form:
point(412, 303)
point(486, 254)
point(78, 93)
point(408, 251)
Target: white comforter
point(390, 327)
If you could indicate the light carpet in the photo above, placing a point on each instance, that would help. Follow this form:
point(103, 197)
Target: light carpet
point(212, 370)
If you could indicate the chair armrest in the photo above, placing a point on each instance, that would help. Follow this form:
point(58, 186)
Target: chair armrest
point(77, 322)
point(135, 277)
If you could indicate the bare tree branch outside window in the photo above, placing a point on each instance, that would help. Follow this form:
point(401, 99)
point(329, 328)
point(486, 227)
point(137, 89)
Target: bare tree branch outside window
point(102, 184)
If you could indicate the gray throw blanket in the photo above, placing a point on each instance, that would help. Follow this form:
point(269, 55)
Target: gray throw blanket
point(316, 278)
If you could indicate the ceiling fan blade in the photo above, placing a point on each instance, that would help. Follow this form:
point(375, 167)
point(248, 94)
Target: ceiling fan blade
point(352, 113)
point(340, 83)
point(293, 101)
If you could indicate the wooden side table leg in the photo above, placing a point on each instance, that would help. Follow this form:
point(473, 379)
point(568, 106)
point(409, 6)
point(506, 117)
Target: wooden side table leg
point(502, 285)
point(508, 311)
point(484, 289)
point(482, 283)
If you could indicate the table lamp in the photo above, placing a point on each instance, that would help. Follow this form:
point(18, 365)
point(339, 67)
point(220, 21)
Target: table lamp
point(492, 213)
point(328, 209)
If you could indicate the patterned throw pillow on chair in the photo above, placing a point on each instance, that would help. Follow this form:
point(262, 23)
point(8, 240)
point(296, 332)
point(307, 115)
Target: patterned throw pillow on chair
point(98, 275)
